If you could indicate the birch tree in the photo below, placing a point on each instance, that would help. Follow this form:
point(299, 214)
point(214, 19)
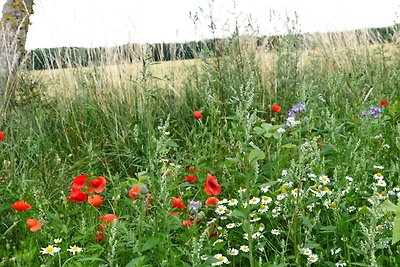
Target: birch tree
point(13, 31)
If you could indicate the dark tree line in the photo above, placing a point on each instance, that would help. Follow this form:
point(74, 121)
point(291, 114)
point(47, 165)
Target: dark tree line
point(64, 57)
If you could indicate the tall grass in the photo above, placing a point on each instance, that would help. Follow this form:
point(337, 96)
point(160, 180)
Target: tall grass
point(133, 124)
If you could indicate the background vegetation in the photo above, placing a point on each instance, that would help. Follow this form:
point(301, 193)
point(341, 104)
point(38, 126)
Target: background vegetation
point(129, 118)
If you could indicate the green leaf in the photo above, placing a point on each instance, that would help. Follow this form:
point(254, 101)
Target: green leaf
point(256, 155)
point(288, 145)
point(136, 262)
point(150, 243)
point(171, 143)
point(396, 229)
point(237, 214)
point(356, 250)
point(328, 229)
point(388, 205)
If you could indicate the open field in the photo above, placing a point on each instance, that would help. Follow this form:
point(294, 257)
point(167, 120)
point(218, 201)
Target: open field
point(245, 158)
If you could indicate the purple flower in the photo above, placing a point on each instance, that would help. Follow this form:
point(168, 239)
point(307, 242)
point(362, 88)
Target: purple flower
point(296, 109)
point(375, 111)
point(194, 206)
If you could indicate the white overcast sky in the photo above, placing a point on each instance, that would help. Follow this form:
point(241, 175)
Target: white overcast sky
point(91, 23)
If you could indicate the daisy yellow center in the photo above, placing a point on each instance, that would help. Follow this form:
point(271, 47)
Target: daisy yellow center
point(49, 249)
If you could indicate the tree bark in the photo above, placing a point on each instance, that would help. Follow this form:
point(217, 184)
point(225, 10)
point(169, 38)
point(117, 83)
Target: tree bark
point(13, 31)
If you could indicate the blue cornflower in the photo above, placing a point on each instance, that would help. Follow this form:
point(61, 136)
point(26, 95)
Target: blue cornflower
point(296, 109)
point(375, 111)
point(194, 206)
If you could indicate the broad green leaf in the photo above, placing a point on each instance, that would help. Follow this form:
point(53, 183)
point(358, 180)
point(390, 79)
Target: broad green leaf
point(289, 145)
point(136, 262)
point(388, 205)
point(150, 243)
point(396, 229)
point(256, 155)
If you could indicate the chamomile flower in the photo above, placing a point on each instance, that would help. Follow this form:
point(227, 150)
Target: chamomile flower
point(378, 176)
point(242, 190)
point(50, 249)
point(381, 183)
point(312, 258)
point(244, 248)
point(221, 260)
point(74, 249)
point(341, 263)
point(254, 217)
point(265, 188)
point(233, 251)
point(220, 210)
point(57, 240)
point(263, 208)
point(266, 200)
point(306, 251)
point(379, 227)
point(378, 167)
point(324, 179)
point(230, 225)
point(232, 202)
point(284, 173)
point(254, 201)
point(275, 232)
point(256, 235)
point(262, 227)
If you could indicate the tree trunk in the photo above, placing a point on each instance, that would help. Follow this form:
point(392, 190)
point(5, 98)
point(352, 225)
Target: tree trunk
point(14, 28)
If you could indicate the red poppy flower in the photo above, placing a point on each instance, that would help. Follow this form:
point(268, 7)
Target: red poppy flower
point(33, 224)
point(197, 115)
point(79, 181)
point(191, 169)
point(177, 203)
point(213, 201)
point(187, 223)
point(21, 206)
point(211, 186)
point(2, 136)
point(97, 185)
point(77, 195)
point(108, 218)
point(136, 190)
point(99, 237)
point(276, 108)
point(384, 103)
point(101, 228)
point(96, 200)
point(190, 178)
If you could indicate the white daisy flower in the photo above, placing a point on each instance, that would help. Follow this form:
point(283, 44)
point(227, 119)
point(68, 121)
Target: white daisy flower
point(313, 258)
point(263, 208)
point(378, 176)
point(57, 240)
point(233, 252)
point(378, 167)
point(265, 188)
point(266, 200)
point(232, 202)
point(341, 263)
point(306, 251)
point(275, 232)
point(244, 248)
point(254, 201)
point(74, 249)
point(230, 225)
point(50, 249)
point(221, 209)
point(381, 183)
point(324, 179)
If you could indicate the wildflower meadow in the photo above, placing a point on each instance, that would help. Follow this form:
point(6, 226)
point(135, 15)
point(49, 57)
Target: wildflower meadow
point(254, 158)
